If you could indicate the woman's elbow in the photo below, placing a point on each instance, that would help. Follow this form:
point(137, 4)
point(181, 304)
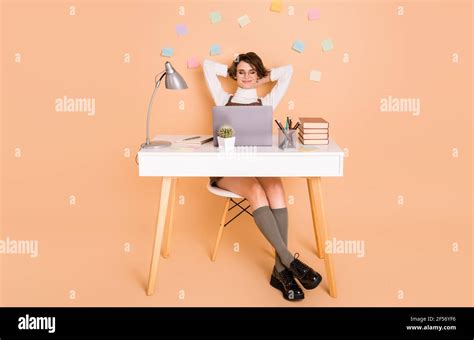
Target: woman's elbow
point(205, 64)
point(287, 72)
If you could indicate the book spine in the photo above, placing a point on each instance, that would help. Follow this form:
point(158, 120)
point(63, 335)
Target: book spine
point(314, 136)
point(315, 125)
point(313, 141)
point(313, 130)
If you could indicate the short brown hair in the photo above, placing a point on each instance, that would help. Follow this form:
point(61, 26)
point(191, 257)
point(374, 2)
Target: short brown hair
point(252, 59)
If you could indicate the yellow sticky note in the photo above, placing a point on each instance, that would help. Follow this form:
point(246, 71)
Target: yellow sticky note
point(276, 6)
point(315, 75)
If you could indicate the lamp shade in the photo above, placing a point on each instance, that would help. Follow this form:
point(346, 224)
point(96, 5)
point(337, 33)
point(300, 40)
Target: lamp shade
point(173, 79)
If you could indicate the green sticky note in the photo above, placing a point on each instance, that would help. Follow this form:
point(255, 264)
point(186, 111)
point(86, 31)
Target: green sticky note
point(327, 45)
point(244, 20)
point(215, 17)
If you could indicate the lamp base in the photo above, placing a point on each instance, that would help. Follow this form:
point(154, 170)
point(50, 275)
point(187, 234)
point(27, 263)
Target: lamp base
point(156, 144)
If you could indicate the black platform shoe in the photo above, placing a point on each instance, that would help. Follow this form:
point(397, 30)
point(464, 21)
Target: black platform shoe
point(285, 282)
point(309, 278)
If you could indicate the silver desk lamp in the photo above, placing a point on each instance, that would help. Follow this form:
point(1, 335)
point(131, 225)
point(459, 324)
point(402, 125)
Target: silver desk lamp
point(173, 81)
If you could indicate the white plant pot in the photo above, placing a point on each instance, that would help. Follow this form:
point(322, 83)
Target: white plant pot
point(226, 143)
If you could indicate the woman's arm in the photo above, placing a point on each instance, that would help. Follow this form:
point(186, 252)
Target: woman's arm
point(211, 70)
point(265, 79)
point(283, 77)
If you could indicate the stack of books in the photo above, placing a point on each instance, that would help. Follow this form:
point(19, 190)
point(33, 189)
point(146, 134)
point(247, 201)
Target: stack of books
point(313, 131)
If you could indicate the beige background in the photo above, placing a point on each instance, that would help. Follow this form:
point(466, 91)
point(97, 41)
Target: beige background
point(81, 247)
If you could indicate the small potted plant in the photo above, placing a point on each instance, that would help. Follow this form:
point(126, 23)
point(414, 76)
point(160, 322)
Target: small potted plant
point(226, 137)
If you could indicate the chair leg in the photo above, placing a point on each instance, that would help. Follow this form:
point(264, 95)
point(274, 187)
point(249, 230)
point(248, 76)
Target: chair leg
point(221, 228)
point(165, 251)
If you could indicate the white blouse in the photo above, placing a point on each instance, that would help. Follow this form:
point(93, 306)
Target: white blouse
point(213, 69)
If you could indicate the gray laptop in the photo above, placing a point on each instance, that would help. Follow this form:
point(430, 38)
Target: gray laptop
point(252, 124)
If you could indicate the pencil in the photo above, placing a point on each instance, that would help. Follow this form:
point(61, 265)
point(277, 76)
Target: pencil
point(279, 125)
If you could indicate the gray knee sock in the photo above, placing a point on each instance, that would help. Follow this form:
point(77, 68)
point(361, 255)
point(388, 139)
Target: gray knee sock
point(281, 217)
point(267, 224)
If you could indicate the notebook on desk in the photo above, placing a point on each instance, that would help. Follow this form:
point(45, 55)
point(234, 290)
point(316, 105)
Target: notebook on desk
point(252, 124)
point(195, 140)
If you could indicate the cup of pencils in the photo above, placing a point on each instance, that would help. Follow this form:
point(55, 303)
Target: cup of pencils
point(287, 135)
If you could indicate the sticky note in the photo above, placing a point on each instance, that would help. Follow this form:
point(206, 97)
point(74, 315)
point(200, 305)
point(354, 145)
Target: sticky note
point(181, 29)
point(298, 46)
point(276, 6)
point(193, 62)
point(167, 51)
point(327, 45)
point(215, 17)
point(313, 14)
point(215, 49)
point(315, 75)
point(244, 20)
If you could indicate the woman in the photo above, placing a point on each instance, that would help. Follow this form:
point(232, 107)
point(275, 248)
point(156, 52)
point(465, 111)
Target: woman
point(265, 194)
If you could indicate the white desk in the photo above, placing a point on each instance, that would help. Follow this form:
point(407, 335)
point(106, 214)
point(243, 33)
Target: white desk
point(310, 162)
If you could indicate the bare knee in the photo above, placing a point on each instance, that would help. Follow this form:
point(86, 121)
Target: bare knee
point(248, 187)
point(274, 191)
point(274, 188)
point(255, 194)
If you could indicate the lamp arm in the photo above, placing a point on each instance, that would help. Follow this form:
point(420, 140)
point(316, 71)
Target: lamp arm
point(150, 105)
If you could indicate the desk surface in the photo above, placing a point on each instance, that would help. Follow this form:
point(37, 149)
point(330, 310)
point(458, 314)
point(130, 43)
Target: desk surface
point(261, 161)
point(209, 147)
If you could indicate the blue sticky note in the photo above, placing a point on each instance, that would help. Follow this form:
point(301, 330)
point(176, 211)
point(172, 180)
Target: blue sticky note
point(298, 46)
point(167, 51)
point(181, 29)
point(215, 17)
point(215, 49)
point(327, 45)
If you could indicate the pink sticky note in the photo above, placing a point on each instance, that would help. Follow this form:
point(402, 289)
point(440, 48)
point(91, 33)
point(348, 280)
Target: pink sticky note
point(313, 14)
point(193, 62)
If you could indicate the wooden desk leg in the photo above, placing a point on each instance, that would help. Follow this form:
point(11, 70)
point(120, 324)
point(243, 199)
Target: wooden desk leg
point(165, 251)
point(160, 225)
point(318, 208)
point(314, 215)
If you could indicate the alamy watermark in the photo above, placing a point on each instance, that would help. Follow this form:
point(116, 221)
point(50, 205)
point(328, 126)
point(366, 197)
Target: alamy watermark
point(356, 247)
point(393, 104)
point(66, 104)
point(28, 322)
point(22, 247)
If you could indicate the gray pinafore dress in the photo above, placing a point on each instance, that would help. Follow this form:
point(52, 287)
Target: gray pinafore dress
point(213, 180)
